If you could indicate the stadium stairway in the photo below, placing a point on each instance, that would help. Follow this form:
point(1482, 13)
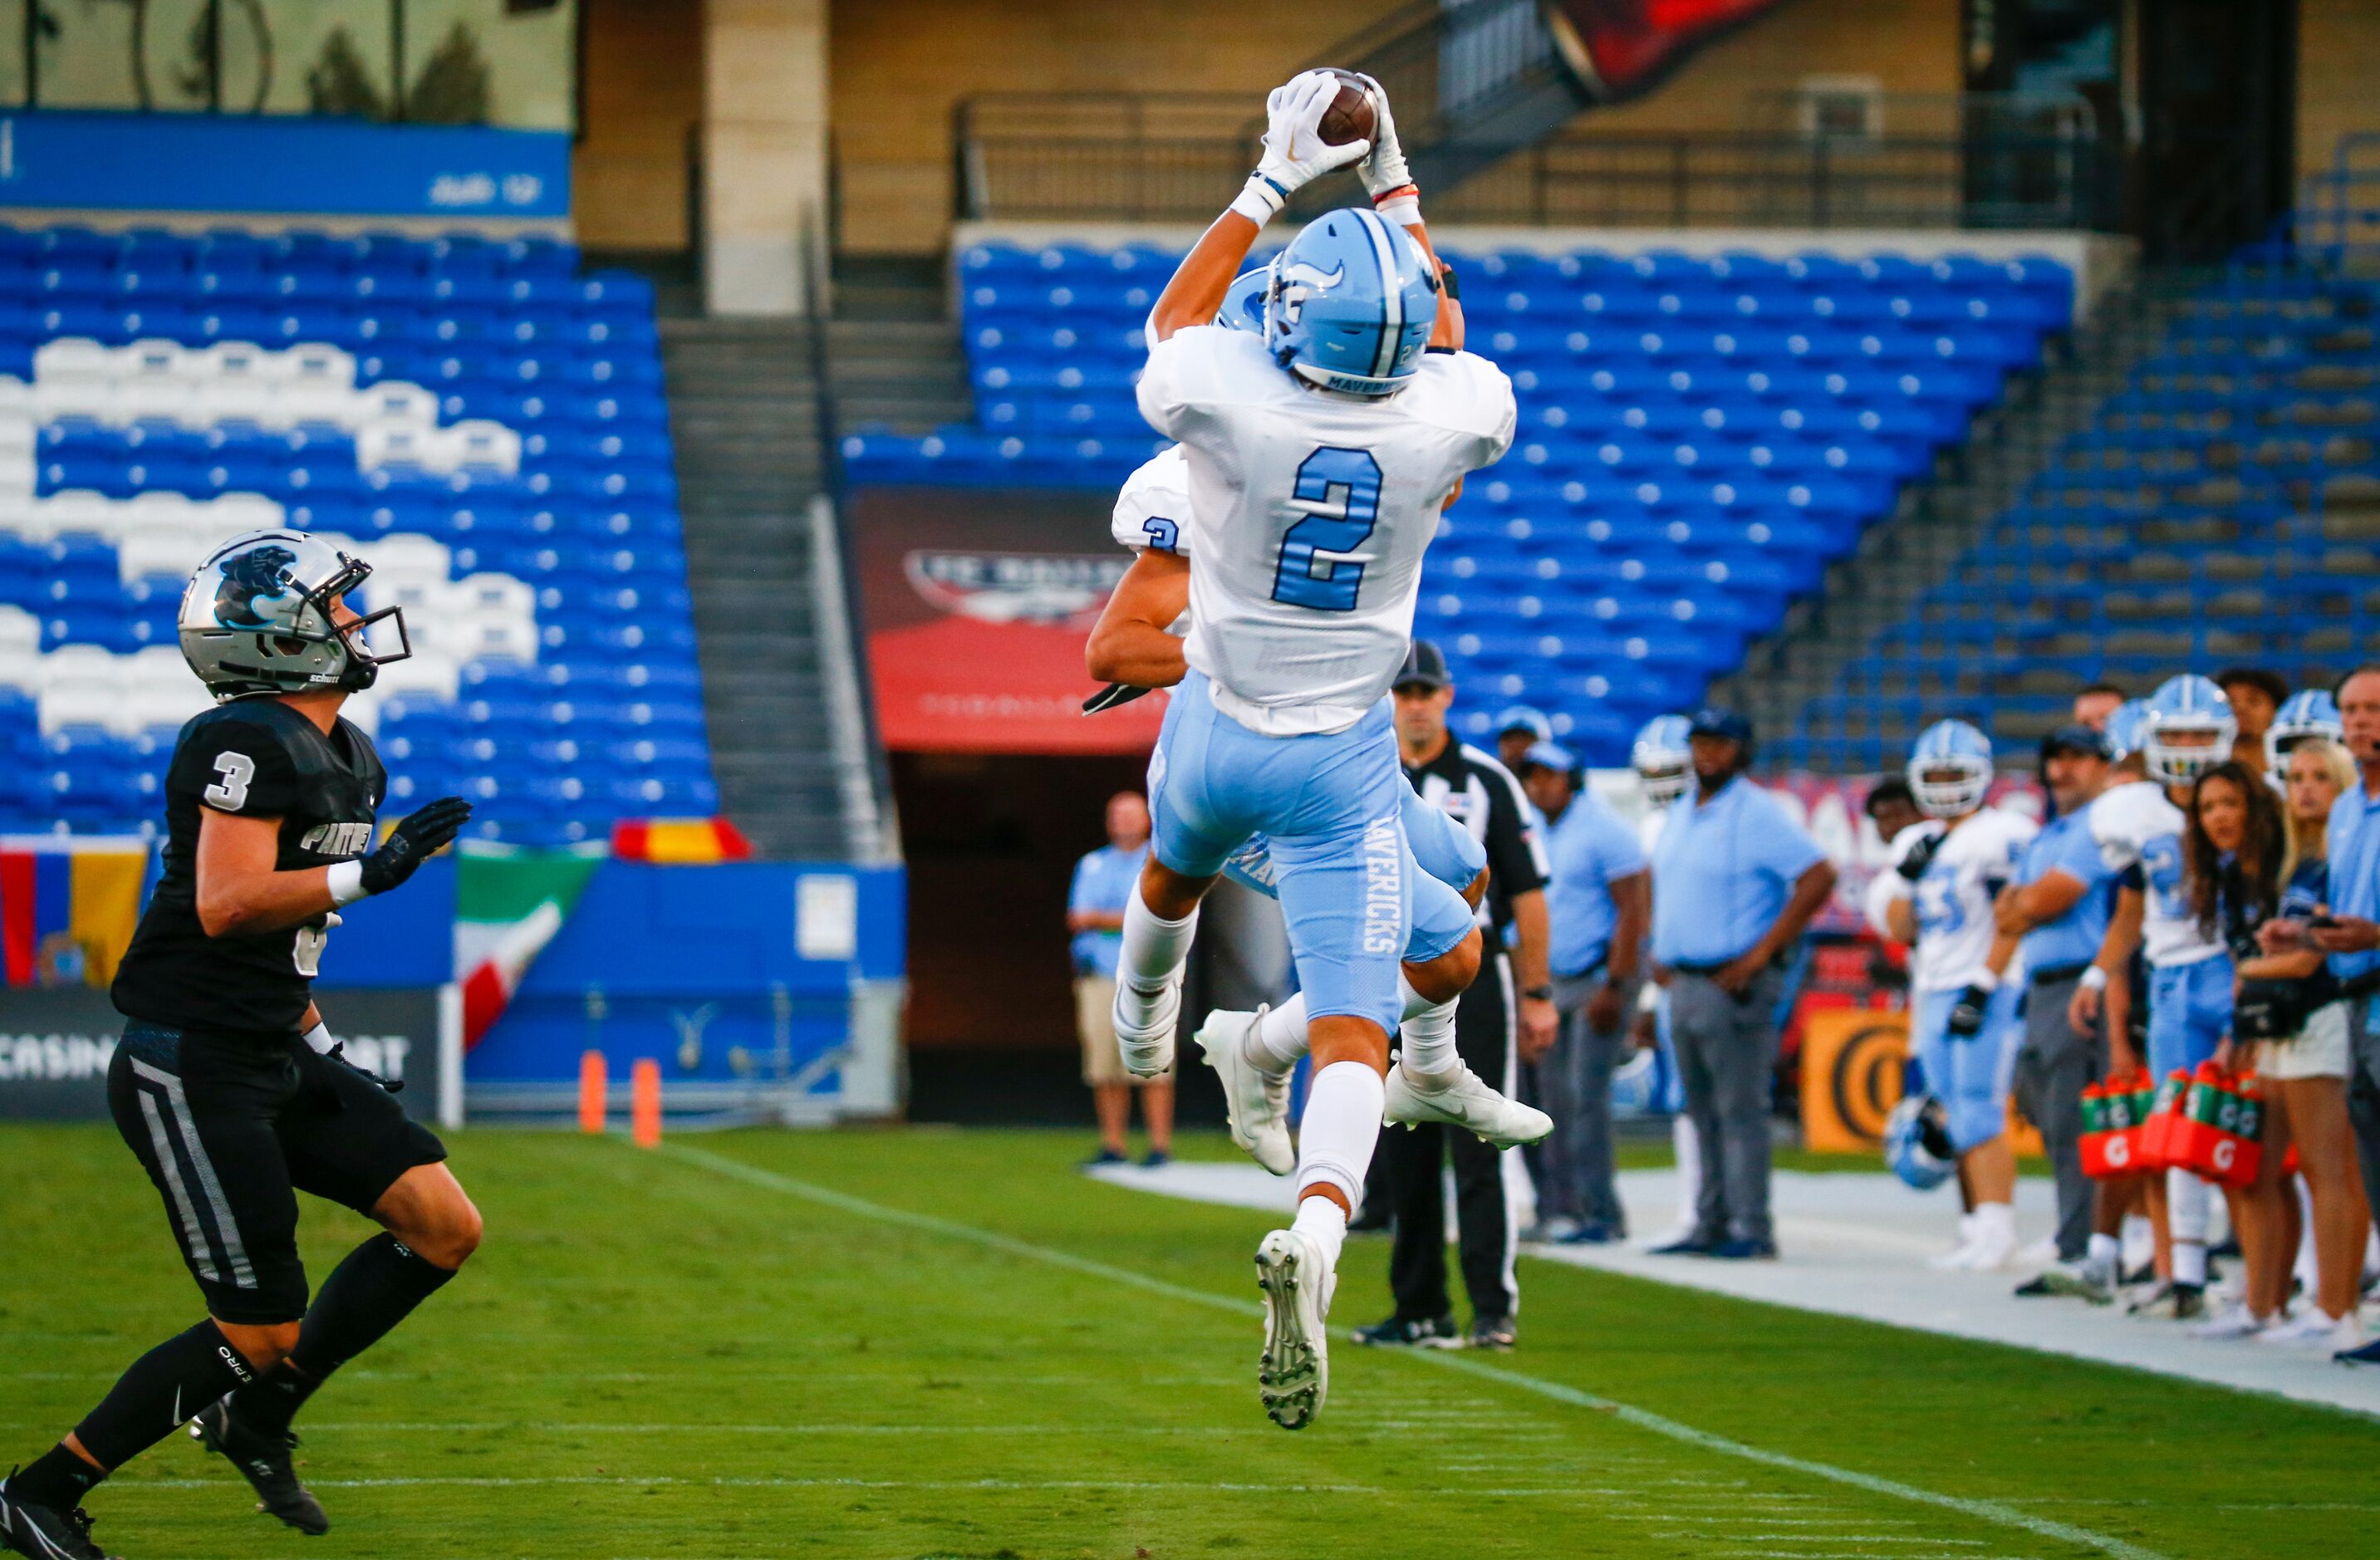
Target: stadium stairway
point(743, 410)
point(1786, 678)
point(894, 356)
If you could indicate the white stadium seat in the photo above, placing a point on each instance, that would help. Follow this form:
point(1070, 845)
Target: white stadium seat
point(395, 401)
point(20, 647)
point(74, 357)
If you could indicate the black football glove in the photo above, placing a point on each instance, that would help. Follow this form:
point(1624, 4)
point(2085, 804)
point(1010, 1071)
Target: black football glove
point(419, 835)
point(338, 1053)
point(1967, 1012)
point(1921, 856)
point(1111, 695)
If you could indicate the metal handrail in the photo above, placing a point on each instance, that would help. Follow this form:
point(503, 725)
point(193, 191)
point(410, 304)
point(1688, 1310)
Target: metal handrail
point(1042, 156)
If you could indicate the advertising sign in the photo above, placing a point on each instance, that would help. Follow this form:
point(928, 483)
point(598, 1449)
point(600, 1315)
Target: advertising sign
point(55, 1044)
point(977, 606)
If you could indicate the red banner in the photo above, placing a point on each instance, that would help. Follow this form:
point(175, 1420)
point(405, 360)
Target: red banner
point(977, 608)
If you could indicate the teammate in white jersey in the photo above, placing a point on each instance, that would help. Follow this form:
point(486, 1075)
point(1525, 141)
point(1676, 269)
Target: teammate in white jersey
point(1318, 457)
point(1253, 1053)
point(2185, 729)
point(1937, 898)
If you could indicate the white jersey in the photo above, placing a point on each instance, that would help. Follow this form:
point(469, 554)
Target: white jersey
point(1953, 900)
point(2138, 826)
point(1314, 510)
point(1152, 513)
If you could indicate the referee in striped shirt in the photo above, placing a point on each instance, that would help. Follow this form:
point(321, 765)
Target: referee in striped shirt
point(1508, 1013)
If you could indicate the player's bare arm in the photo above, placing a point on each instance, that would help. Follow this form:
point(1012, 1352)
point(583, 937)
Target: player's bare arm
point(1131, 643)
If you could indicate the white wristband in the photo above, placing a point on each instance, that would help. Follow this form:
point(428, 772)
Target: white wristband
point(1404, 210)
point(346, 882)
point(1259, 200)
point(2094, 979)
point(319, 1037)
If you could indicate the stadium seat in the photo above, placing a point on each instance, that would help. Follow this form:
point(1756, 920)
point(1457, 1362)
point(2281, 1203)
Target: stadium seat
point(174, 390)
point(1732, 411)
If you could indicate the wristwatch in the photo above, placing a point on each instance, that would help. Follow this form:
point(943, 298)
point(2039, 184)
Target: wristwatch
point(1539, 994)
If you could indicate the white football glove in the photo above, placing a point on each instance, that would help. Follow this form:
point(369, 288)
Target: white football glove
point(1295, 153)
point(1384, 172)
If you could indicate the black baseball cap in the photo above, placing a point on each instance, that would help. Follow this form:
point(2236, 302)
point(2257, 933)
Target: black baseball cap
point(2078, 738)
point(1718, 721)
point(1425, 667)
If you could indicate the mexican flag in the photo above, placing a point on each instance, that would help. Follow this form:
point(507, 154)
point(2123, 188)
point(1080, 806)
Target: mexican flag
point(508, 904)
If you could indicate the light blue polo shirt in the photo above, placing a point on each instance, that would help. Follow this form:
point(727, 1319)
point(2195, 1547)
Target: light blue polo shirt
point(2353, 849)
point(1591, 848)
point(2065, 845)
point(1722, 871)
point(1103, 882)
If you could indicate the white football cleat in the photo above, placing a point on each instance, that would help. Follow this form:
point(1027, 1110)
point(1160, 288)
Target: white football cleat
point(1255, 1101)
point(1147, 1045)
point(1294, 1373)
point(1466, 1102)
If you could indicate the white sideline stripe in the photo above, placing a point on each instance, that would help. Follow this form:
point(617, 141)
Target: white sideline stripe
point(517, 1426)
point(1992, 1511)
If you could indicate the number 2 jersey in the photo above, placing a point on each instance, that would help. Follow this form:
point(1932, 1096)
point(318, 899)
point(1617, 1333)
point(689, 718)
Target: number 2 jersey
point(2137, 825)
point(1314, 510)
point(254, 757)
point(1953, 900)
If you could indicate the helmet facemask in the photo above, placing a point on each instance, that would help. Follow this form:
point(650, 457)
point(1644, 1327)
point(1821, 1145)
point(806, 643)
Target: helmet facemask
point(1949, 786)
point(2182, 763)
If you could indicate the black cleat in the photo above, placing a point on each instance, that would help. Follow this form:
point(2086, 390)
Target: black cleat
point(40, 1533)
point(264, 1461)
point(1400, 1332)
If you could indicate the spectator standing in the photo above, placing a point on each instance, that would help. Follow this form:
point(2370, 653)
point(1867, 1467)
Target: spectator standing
point(1103, 882)
point(2057, 903)
point(1519, 728)
point(2353, 938)
point(2256, 697)
point(1892, 807)
point(1507, 1013)
point(1736, 879)
point(1599, 908)
point(2304, 1066)
point(2095, 703)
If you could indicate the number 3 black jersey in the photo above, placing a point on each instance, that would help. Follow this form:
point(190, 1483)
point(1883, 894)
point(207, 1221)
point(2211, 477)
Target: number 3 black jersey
point(255, 757)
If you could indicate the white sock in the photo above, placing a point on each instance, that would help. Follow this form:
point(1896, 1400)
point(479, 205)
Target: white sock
point(1153, 954)
point(2186, 1210)
point(1426, 1036)
point(1281, 1037)
point(1323, 1222)
point(1340, 1130)
point(2103, 1252)
point(1688, 1147)
point(1995, 1220)
point(2190, 1261)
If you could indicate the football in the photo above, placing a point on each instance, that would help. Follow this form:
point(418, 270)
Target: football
point(1349, 118)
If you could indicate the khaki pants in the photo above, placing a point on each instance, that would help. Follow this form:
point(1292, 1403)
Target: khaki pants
point(1095, 1021)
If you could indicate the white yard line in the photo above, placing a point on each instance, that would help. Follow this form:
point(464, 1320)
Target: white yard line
point(1995, 1512)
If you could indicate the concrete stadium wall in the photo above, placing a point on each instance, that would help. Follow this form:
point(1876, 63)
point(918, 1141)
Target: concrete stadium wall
point(1907, 46)
point(900, 67)
point(643, 74)
point(2338, 60)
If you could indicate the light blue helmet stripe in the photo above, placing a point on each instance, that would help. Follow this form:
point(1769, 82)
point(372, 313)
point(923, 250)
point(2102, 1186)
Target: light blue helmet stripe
point(1392, 297)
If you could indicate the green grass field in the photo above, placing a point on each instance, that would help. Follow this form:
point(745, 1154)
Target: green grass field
point(939, 1343)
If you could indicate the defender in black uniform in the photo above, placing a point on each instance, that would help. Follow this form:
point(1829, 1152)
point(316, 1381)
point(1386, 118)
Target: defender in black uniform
point(227, 1085)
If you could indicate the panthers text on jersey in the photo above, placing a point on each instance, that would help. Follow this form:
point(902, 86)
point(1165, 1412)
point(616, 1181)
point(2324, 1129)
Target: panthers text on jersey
point(2138, 826)
point(1314, 511)
point(1953, 900)
point(254, 757)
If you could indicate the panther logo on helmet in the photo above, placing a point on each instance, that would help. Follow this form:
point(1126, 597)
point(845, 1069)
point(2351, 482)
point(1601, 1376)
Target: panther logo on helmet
point(260, 571)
